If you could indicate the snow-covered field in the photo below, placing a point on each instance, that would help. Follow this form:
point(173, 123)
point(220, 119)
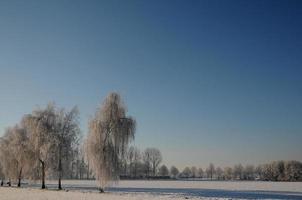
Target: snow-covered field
point(160, 190)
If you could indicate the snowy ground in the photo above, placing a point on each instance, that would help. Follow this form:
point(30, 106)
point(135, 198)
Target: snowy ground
point(160, 190)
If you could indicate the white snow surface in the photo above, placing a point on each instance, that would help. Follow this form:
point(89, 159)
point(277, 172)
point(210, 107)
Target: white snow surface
point(38, 194)
point(147, 190)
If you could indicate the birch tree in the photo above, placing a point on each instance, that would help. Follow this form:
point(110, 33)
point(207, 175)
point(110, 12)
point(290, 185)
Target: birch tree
point(110, 132)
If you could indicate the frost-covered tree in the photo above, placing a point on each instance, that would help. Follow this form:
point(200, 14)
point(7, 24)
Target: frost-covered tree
point(249, 172)
point(134, 157)
point(186, 173)
point(210, 171)
point(147, 162)
point(14, 151)
point(200, 172)
point(219, 173)
point(293, 170)
point(136, 161)
point(163, 171)
point(8, 162)
point(110, 132)
point(237, 171)
point(66, 139)
point(43, 126)
point(227, 173)
point(194, 172)
point(153, 157)
point(20, 152)
point(174, 172)
point(280, 171)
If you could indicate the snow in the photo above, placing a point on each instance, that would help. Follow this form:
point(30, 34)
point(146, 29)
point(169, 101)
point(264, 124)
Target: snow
point(148, 190)
point(38, 194)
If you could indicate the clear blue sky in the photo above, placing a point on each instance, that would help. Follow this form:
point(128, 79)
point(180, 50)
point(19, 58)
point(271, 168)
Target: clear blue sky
point(207, 81)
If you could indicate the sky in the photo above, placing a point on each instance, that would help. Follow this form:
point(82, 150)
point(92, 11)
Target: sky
point(206, 81)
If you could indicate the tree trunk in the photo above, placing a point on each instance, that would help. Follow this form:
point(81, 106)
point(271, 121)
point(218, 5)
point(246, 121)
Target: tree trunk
point(60, 174)
point(87, 171)
point(19, 178)
point(153, 168)
point(71, 174)
point(43, 174)
point(101, 190)
point(135, 168)
point(60, 185)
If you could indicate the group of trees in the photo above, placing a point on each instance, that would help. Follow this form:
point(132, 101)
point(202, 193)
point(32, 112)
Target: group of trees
point(42, 143)
point(274, 171)
point(47, 143)
point(141, 164)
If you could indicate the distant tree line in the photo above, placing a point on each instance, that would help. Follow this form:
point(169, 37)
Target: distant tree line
point(273, 171)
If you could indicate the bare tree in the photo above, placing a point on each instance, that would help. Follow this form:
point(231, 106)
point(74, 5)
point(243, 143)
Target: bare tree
point(293, 170)
point(41, 125)
point(147, 162)
point(155, 158)
point(163, 171)
point(248, 172)
point(20, 152)
point(280, 171)
point(237, 171)
point(186, 173)
point(210, 171)
point(194, 172)
point(227, 173)
point(8, 163)
point(219, 173)
point(174, 172)
point(200, 172)
point(133, 159)
point(110, 132)
point(66, 138)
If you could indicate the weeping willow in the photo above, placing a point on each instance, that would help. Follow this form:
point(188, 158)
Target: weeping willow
point(110, 132)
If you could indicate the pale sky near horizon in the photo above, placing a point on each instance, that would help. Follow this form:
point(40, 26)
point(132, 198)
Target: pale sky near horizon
point(207, 81)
